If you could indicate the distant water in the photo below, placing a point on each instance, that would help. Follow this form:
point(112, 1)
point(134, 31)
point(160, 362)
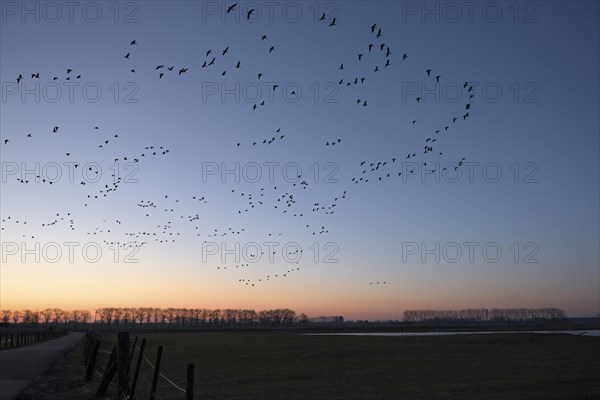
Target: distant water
point(594, 333)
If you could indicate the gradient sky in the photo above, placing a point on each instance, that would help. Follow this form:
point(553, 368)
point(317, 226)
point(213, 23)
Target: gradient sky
point(535, 111)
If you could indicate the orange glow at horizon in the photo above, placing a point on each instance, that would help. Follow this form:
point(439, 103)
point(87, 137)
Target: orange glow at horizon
point(42, 288)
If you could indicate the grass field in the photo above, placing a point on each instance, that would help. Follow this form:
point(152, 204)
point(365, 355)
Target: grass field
point(265, 366)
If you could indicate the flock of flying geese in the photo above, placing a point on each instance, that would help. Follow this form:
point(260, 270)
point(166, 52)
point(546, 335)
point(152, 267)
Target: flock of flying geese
point(373, 59)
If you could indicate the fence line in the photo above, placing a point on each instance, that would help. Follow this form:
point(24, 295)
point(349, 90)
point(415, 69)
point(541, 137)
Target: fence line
point(106, 357)
point(27, 337)
point(161, 374)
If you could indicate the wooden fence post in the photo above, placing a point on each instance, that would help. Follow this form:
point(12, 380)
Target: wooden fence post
point(189, 388)
point(109, 372)
point(137, 368)
point(86, 347)
point(123, 353)
point(89, 372)
point(88, 352)
point(156, 373)
point(133, 349)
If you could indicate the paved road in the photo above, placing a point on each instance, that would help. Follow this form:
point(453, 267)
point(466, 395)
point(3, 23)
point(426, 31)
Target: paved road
point(18, 367)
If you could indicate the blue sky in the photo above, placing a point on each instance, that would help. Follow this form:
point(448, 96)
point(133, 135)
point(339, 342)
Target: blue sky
point(533, 117)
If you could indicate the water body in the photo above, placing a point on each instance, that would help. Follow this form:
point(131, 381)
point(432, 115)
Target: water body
point(594, 333)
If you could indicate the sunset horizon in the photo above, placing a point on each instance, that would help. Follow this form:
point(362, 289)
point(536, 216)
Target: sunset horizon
point(277, 157)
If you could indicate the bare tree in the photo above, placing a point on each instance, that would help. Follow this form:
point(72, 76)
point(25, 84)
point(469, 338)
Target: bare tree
point(6, 315)
point(16, 316)
point(46, 315)
point(118, 315)
point(85, 316)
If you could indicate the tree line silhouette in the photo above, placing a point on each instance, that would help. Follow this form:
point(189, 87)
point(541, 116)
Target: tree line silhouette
point(281, 317)
point(190, 317)
point(47, 316)
point(485, 315)
point(177, 317)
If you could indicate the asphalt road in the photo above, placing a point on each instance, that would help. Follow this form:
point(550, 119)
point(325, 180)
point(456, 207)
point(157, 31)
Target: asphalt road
point(18, 367)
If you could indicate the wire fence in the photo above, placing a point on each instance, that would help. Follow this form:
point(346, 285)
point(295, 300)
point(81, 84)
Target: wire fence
point(161, 374)
point(95, 357)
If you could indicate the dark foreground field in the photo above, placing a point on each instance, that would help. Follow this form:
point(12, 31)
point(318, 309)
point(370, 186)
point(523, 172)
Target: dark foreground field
point(266, 366)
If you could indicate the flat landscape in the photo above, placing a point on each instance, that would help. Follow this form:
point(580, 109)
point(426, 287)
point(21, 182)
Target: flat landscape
point(282, 365)
point(298, 200)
